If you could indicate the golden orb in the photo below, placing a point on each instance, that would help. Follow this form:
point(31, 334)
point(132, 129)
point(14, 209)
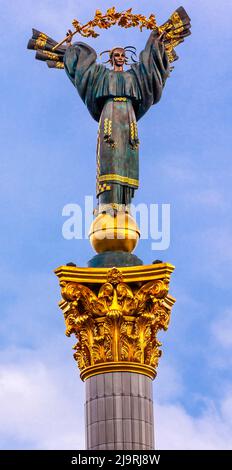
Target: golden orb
point(117, 232)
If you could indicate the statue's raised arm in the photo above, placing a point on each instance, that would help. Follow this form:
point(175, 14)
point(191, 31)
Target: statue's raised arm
point(151, 73)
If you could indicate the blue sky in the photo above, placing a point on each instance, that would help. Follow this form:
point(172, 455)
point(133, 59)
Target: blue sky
point(48, 160)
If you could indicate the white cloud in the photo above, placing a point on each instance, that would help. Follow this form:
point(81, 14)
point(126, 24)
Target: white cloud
point(41, 406)
point(208, 426)
point(178, 430)
point(227, 407)
point(168, 386)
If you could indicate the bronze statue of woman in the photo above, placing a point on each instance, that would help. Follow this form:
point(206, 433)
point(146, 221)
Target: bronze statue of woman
point(117, 99)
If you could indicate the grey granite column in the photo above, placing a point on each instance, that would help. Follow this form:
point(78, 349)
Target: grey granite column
point(119, 412)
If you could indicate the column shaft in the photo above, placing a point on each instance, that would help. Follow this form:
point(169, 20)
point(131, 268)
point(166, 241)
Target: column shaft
point(119, 412)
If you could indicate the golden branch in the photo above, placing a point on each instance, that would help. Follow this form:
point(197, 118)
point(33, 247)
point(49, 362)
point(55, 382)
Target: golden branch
point(125, 19)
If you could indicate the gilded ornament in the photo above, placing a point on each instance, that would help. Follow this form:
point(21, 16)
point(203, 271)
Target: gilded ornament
point(117, 323)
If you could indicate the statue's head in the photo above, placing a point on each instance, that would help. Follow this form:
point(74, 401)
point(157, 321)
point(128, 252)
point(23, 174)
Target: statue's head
point(118, 56)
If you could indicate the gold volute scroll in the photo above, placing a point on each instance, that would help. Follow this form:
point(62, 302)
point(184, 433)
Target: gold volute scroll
point(116, 323)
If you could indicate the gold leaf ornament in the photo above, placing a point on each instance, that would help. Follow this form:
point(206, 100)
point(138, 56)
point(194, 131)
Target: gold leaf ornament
point(111, 12)
point(119, 323)
point(98, 14)
point(125, 19)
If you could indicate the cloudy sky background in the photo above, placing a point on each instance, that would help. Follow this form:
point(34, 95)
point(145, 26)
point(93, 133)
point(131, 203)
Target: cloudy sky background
point(48, 160)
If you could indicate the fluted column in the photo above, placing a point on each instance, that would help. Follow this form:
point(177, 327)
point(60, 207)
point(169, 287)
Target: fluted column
point(119, 412)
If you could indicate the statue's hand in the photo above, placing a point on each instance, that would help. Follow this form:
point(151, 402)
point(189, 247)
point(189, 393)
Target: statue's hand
point(162, 36)
point(69, 38)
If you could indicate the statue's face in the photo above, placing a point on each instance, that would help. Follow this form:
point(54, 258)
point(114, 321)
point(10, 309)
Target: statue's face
point(119, 57)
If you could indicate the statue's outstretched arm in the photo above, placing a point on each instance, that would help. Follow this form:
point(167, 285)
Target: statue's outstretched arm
point(43, 45)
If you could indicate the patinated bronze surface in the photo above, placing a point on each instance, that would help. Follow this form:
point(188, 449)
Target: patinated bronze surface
point(116, 98)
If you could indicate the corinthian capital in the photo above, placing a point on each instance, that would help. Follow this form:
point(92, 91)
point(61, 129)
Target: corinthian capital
point(116, 319)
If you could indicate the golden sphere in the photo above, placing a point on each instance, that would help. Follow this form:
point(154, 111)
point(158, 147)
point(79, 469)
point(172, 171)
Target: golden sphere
point(114, 233)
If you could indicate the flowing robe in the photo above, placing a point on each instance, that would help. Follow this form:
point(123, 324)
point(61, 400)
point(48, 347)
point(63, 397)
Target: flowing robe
point(117, 100)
